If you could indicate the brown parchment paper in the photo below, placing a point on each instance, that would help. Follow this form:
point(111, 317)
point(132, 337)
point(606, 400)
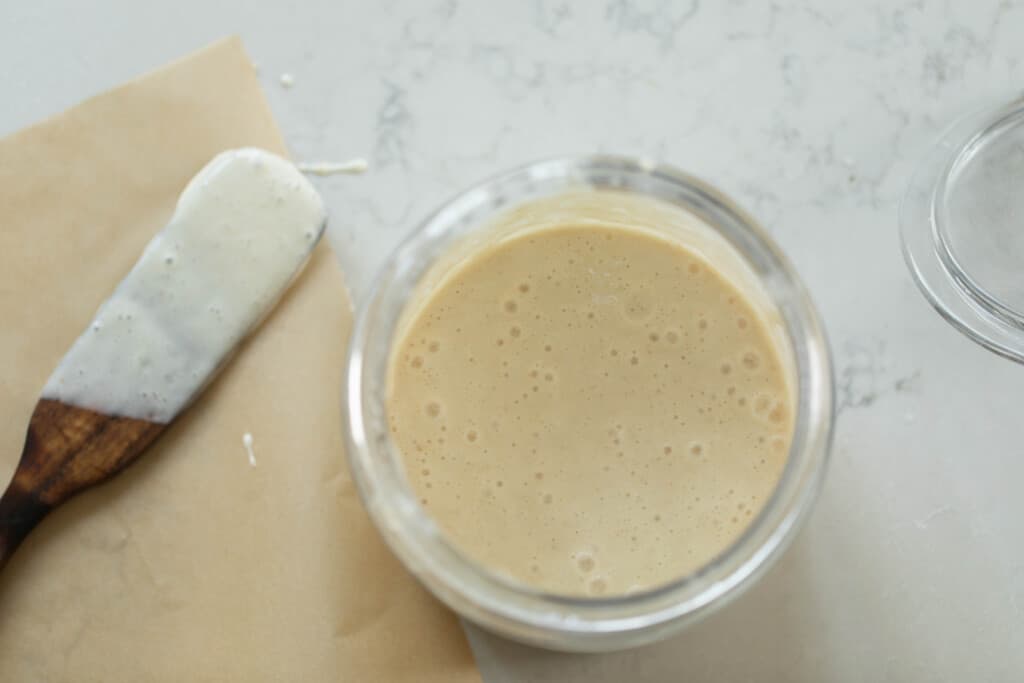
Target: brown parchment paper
point(192, 565)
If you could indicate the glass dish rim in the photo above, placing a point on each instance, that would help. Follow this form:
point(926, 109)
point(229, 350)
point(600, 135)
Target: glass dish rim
point(956, 295)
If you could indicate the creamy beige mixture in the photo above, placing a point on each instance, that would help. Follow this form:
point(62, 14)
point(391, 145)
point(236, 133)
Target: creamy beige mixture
point(589, 408)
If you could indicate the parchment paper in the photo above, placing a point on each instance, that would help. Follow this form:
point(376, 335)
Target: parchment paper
point(192, 565)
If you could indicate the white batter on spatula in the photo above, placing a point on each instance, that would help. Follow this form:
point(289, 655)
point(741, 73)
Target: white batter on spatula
point(242, 229)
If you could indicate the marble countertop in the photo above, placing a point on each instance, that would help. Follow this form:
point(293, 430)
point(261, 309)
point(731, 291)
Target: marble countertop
point(812, 115)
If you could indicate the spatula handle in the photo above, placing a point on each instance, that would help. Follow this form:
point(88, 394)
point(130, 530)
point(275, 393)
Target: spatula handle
point(19, 514)
point(67, 449)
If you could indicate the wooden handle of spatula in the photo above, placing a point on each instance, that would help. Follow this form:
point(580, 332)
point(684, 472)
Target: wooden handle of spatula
point(67, 450)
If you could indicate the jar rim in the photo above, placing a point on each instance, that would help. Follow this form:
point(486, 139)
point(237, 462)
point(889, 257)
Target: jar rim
point(516, 609)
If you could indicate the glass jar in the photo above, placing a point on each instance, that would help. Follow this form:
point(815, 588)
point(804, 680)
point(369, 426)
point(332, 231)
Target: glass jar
point(512, 608)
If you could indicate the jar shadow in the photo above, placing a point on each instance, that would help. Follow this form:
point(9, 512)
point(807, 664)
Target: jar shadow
point(766, 634)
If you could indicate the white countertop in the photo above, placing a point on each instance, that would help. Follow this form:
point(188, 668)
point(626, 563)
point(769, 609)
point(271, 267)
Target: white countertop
point(812, 115)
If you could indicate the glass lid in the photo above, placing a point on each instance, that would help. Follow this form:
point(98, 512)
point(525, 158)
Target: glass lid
point(962, 223)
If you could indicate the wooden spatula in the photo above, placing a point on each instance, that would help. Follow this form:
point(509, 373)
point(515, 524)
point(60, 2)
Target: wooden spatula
point(67, 449)
point(242, 230)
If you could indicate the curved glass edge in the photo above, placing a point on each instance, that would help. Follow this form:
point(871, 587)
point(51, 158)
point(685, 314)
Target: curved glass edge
point(582, 623)
point(924, 251)
point(1007, 117)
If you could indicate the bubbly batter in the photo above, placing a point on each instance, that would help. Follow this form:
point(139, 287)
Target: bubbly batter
point(589, 408)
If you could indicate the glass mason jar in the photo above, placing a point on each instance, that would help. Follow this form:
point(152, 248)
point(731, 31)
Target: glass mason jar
point(498, 602)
